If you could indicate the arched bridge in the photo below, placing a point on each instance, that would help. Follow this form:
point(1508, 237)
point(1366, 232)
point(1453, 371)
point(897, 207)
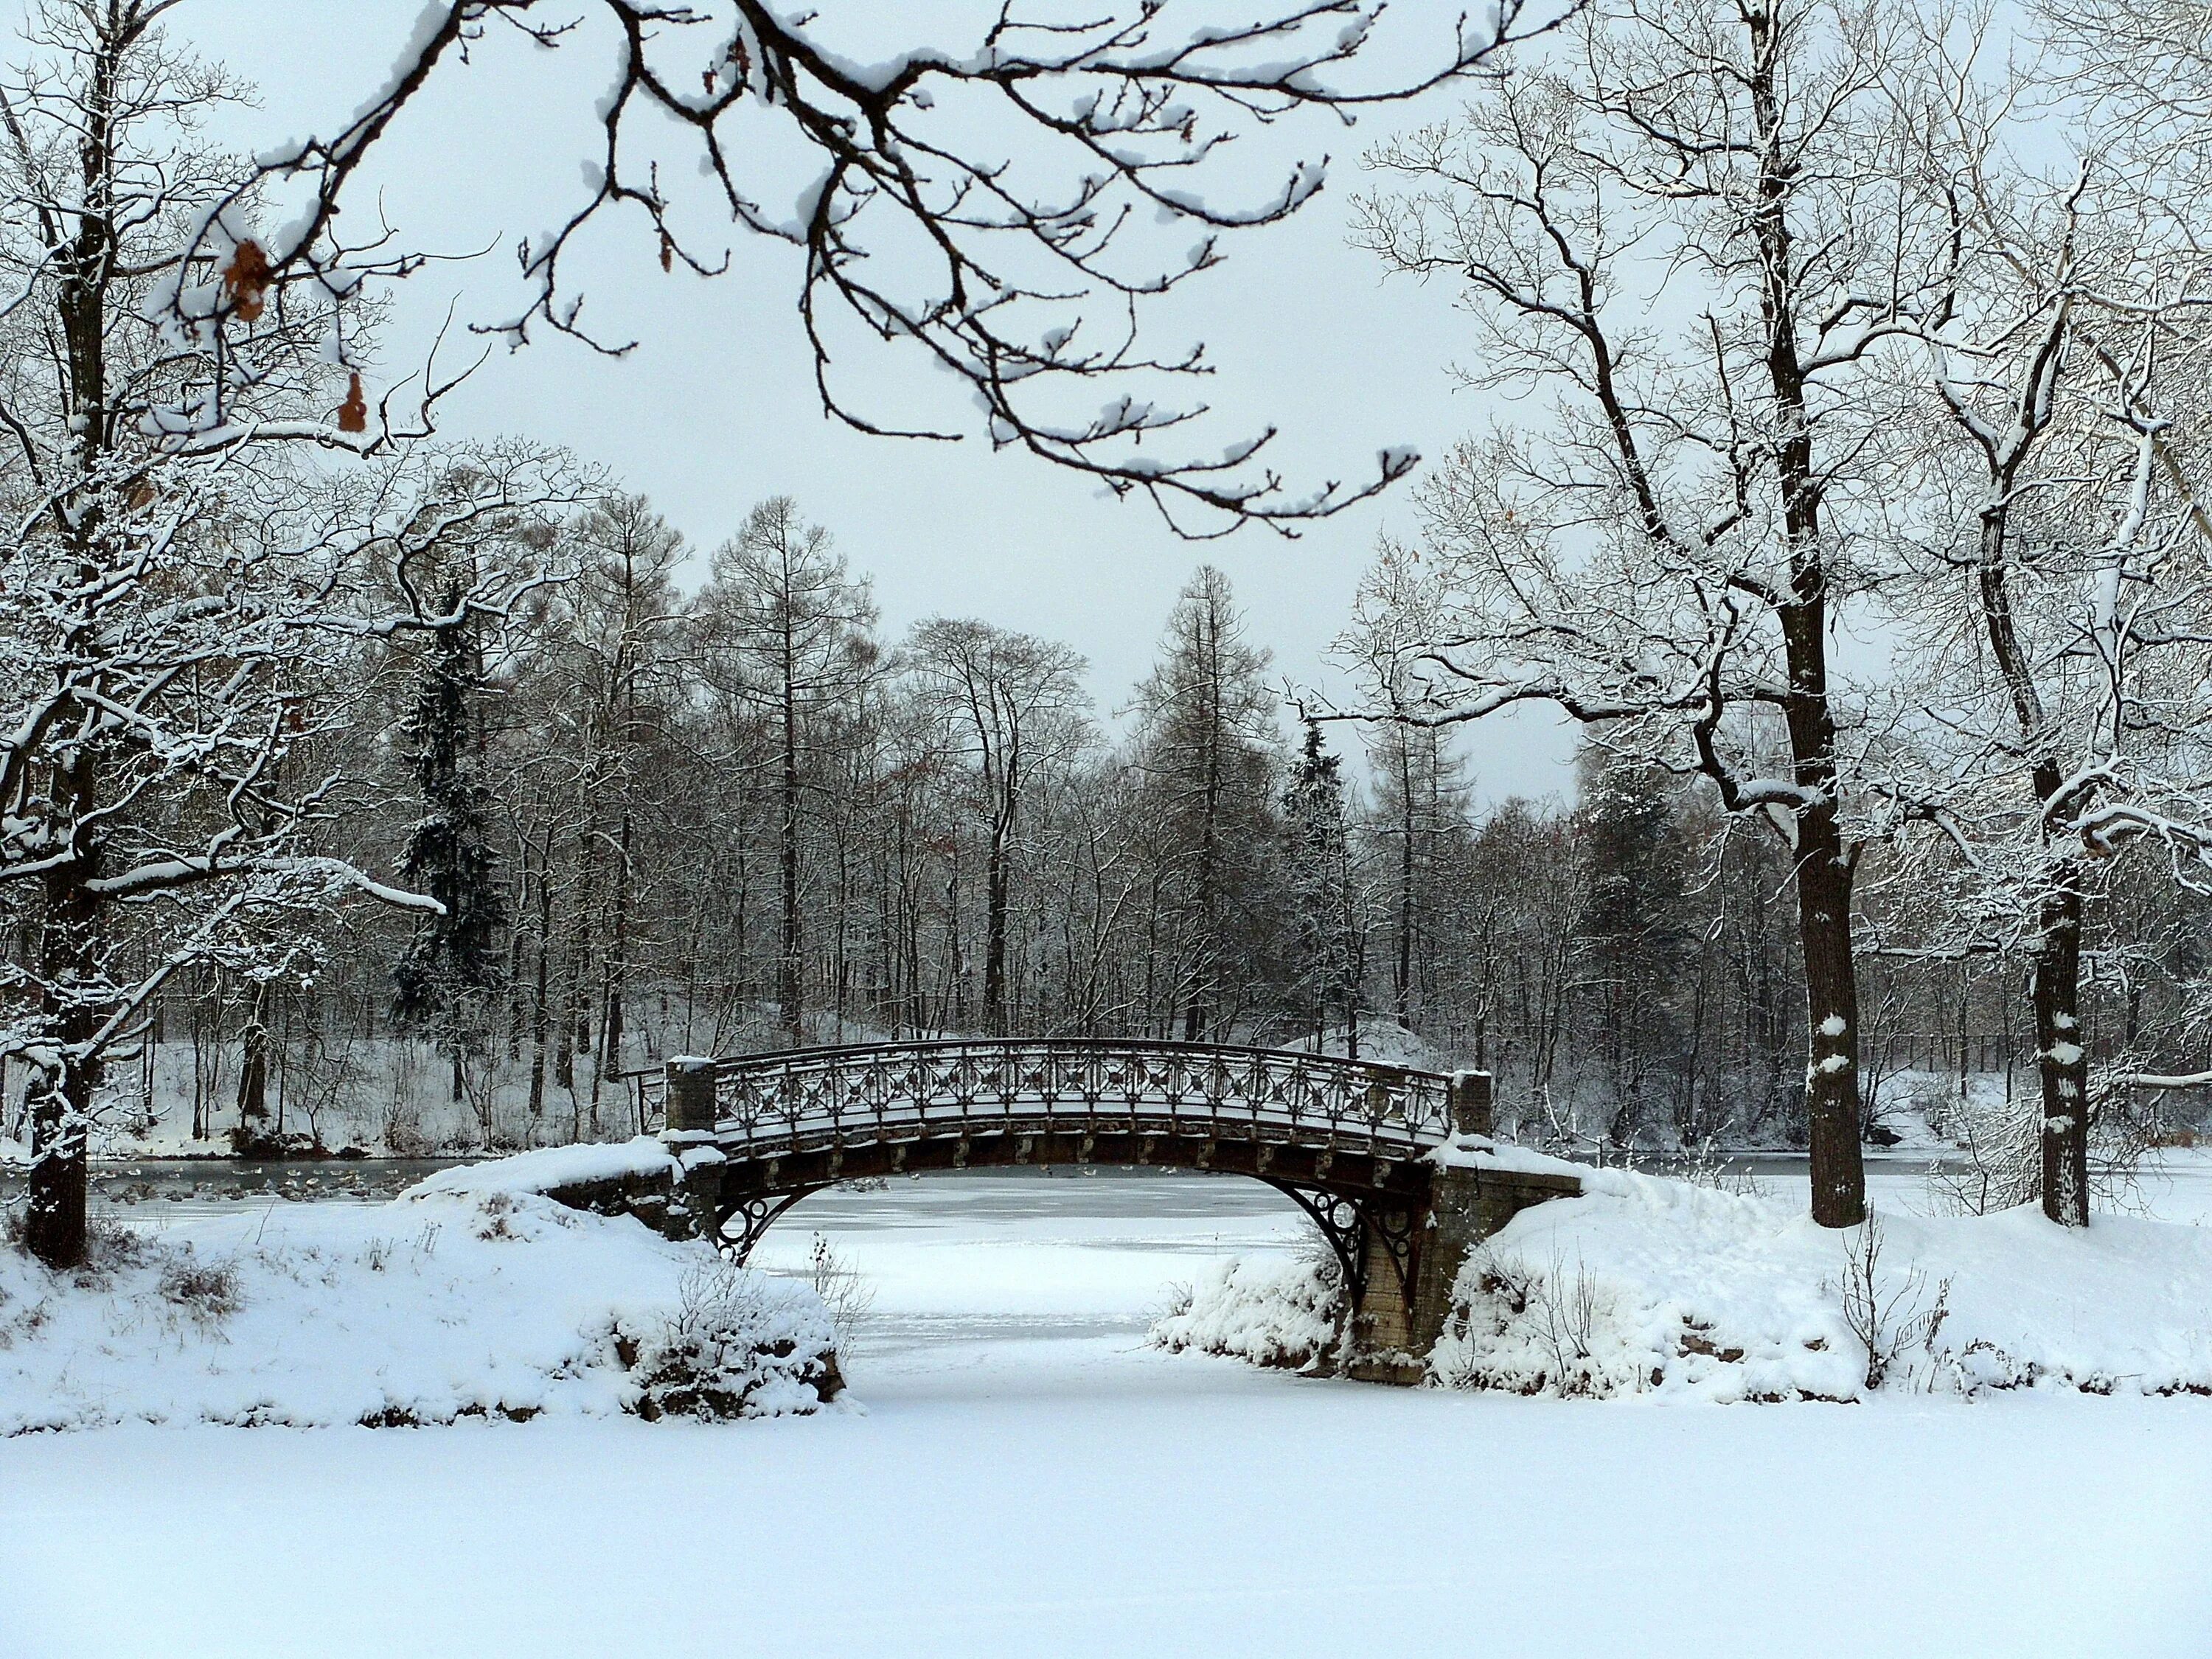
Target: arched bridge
point(1352, 1142)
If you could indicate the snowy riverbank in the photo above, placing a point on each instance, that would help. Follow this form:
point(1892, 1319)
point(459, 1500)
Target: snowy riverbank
point(1663, 1288)
point(467, 1298)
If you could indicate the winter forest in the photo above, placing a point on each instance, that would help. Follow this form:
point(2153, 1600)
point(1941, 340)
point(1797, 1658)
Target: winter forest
point(1102, 720)
point(738, 818)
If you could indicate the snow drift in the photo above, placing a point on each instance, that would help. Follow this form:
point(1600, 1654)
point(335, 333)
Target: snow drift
point(548, 1167)
point(486, 1302)
point(1649, 1286)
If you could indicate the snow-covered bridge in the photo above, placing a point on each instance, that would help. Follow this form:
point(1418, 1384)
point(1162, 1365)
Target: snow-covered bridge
point(1364, 1149)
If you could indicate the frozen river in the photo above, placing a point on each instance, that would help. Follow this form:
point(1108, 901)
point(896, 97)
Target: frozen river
point(1020, 1475)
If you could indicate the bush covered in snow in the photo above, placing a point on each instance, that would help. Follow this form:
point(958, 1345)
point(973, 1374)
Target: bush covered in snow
point(489, 1302)
point(1650, 1286)
point(730, 1347)
point(1271, 1313)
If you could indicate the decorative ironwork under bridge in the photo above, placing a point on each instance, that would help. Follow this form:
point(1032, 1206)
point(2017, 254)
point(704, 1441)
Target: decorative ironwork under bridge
point(1351, 1142)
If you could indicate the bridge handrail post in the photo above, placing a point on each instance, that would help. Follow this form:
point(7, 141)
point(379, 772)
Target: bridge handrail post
point(691, 1106)
point(1472, 1112)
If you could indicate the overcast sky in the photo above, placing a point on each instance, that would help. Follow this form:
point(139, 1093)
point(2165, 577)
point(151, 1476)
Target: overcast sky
point(714, 409)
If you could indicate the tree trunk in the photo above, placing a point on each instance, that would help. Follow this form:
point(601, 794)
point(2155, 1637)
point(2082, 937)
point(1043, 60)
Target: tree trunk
point(253, 1062)
point(616, 971)
point(1825, 867)
point(54, 1218)
point(1402, 981)
point(2063, 1056)
point(61, 1120)
point(1831, 1011)
point(541, 1003)
point(575, 1023)
point(70, 955)
point(2055, 978)
point(995, 884)
point(517, 1014)
point(790, 965)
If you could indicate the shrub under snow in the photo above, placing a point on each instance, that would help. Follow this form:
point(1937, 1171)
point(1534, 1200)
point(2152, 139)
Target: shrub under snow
point(447, 1305)
point(1271, 1313)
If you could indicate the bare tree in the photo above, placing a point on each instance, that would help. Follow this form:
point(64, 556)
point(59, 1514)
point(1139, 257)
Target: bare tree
point(1667, 554)
point(1015, 704)
point(783, 628)
point(2061, 482)
point(1010, 206)
point(1206, 748)
point(181, 590)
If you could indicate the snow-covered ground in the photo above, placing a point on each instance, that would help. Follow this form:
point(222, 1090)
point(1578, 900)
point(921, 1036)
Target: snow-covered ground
point(1029, 1478)
point(1650, 1286)
point(470, 1295)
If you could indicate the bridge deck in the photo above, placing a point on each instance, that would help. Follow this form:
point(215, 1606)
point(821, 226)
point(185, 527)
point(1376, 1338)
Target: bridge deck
point(808, 1100)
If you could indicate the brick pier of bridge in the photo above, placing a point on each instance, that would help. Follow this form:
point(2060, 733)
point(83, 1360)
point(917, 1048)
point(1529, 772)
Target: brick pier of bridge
point(1397, 1321)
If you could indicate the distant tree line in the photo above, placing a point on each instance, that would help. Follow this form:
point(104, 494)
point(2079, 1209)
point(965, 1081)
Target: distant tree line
point(740, 818)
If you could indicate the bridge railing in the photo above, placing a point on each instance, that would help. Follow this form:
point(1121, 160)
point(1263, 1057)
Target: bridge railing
point(803, 1099)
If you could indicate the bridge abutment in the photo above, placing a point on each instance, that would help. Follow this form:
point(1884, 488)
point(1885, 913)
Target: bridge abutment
point(1396, 1322)
point(688, 1131)
point(1397, 1319)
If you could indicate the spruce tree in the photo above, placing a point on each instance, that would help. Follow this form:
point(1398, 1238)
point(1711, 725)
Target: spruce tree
point(1324, 904)
point(1634, 939)
point(453, 958)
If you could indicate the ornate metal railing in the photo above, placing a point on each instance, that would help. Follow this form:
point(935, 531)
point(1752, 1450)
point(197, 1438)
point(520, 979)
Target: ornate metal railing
point(766, 1105)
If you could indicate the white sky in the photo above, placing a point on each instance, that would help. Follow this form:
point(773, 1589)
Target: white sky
point(716, 407)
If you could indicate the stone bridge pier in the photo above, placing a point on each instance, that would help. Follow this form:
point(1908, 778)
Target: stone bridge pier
point(1405, 1291)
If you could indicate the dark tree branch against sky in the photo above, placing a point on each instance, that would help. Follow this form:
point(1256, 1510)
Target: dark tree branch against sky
point(1009, 203)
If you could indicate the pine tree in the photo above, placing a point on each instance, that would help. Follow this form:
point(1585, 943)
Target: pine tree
point(1322, 893)
point(1632, 942)
point(453, 958)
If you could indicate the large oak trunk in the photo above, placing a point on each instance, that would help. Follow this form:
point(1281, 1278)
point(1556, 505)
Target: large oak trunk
point(2064, 1060)
point(54, 1216)
point(1831, 1015)
point(61, 1116)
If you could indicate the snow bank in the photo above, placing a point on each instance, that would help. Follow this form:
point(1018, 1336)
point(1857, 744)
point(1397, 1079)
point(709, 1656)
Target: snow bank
point(1652, 1287)
point(549, 1167)
point(446, 1305)
point(1482, 1153)
point(1268, 1311)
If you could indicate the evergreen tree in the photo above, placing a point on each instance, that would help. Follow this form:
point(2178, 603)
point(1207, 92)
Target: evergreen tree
point(1633, 938)
point(453, 958)
point(1324, 900)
